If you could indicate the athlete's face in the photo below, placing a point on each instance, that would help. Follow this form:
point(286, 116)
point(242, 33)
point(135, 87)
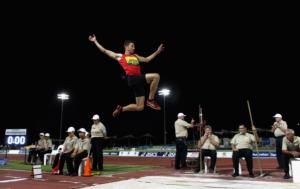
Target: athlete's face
point(130, 48)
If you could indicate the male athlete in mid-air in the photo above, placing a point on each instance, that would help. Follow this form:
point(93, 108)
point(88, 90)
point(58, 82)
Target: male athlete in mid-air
point(136, 80)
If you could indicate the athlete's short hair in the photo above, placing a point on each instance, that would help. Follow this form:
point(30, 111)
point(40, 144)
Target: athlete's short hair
point(127, 42)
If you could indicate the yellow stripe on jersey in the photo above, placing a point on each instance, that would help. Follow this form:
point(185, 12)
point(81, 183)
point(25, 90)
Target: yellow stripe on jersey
point(132, 60)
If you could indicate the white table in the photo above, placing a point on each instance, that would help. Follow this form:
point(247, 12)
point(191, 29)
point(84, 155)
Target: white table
point(296, 170)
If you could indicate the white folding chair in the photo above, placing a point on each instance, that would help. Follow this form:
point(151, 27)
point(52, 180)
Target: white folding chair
point(81, 167)
point(206, 158)
point(48, 156)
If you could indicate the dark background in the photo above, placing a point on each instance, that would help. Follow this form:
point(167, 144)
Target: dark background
point(218, 59)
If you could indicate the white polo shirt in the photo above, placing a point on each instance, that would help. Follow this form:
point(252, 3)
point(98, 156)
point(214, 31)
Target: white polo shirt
point(278, 132)
point(243, 141)
point(181, 127)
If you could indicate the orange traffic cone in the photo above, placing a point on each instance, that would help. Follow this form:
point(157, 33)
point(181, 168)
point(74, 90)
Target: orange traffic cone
point(87, 169)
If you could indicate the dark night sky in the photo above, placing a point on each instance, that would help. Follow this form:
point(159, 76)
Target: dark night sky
point(217, 59)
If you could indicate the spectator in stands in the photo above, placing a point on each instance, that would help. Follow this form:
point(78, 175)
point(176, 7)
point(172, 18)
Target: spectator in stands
point(278, 128)
point(208, 146)
point(290, 149)
point(242, 147)
point(181, 133)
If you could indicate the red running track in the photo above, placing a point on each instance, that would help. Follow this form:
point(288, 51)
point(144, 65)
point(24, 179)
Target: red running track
point(224, 167)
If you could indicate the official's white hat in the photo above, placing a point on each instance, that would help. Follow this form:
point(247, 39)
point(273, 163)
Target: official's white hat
point(82, 130)
point(96, 117)
point(277, 115)
point(41, 134)
point(180, 114)
point(47, 134)
point(71, 129)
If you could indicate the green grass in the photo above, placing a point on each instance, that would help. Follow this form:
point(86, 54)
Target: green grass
point(108, 169)
point(112, 169)
point(20, 165)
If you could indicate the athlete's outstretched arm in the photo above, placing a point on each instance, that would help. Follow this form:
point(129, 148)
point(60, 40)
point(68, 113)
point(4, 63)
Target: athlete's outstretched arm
point(109, 53)
point(152, 56)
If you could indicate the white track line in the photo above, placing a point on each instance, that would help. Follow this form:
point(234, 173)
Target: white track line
point(68, 181)
point(13, 180)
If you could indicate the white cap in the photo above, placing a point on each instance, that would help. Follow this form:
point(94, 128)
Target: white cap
point(96, 117)
point(41, 134)
point(277, 115)
point(71, 129)
point(82, 130)
point(47, 134)
point(181, 115)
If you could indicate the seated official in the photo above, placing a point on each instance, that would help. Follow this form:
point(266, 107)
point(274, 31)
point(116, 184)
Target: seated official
point(81, 150)
point(38, 150)
point(208, 146)
point(290, 149)
point(242, 147)
point(65, 155)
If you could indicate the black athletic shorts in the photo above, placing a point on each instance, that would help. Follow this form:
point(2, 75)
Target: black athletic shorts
point(137, 83)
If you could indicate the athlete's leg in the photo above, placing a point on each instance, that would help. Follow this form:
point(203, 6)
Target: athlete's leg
point(153, 80)
point(139, 106)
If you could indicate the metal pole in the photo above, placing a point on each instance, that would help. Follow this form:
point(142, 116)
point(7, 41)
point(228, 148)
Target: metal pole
point(165, 132)
point(25, 154)
point(256, 142)
point(6, 151)
point(61, 118)
point(200, 133)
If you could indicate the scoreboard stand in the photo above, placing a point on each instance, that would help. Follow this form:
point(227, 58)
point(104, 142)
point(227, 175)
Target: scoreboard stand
point(15, 138)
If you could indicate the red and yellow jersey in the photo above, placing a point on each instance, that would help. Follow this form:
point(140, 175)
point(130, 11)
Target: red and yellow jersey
point(131, 65)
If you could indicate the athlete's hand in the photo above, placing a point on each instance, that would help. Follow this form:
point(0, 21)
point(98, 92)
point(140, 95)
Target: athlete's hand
point(160, 48)
point(92, 38)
